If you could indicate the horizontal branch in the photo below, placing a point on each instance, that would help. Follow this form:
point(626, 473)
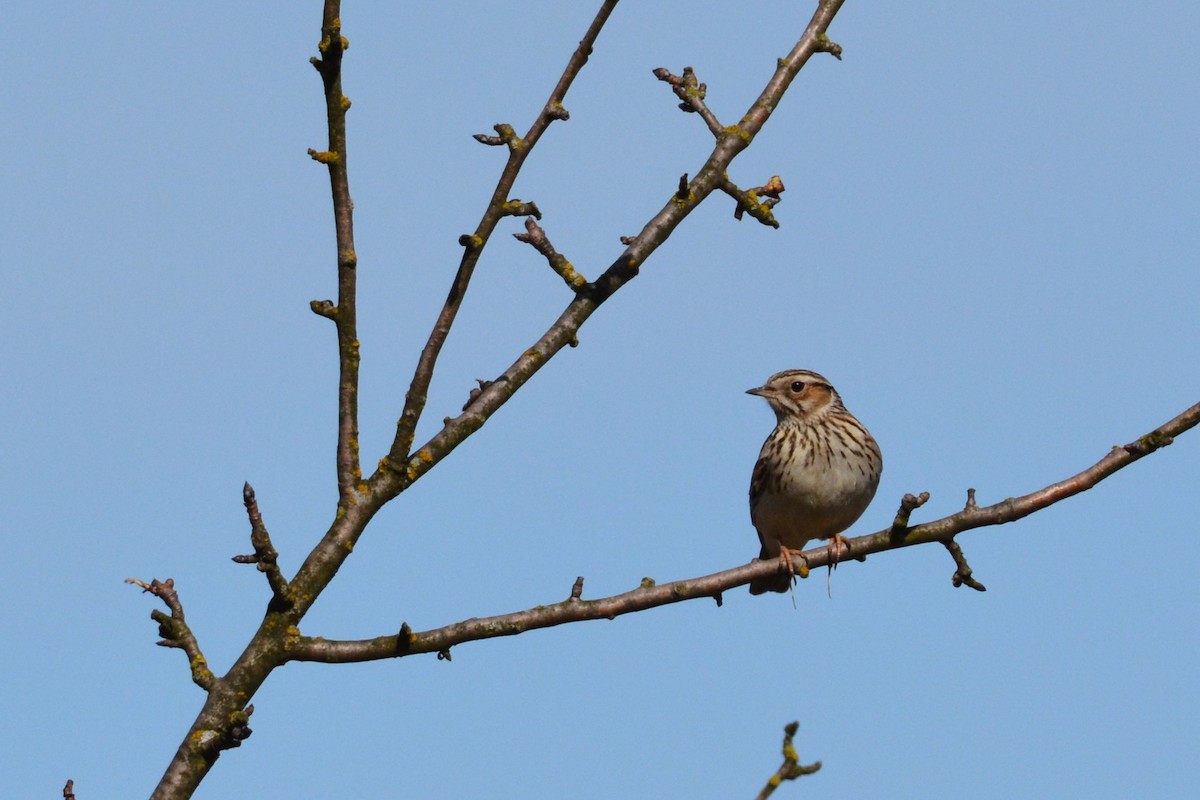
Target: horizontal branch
point(650, 595)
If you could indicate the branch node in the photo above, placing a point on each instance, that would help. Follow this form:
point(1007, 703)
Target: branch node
point(324, 308)
point(719, 597)
point(404, 639)
point(323, 156)
point(647, 583)
point(444, 655)
point(471, 241)
point(577, 589)
point(515, 208)
point(826, 45)
point(970, 500)
point(506, 135)
point(682, 193)
point(556, 111)
point(473, 395)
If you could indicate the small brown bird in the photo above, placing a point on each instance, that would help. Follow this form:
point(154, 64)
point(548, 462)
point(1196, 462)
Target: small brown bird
point(816, 473)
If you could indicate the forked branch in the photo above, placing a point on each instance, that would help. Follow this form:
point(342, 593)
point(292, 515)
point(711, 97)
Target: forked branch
point(791, 768)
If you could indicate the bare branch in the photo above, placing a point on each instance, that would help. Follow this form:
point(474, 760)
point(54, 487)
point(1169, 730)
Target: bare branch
point(519, 149)
point(402, 467)
point(535, 236)
point(650, 594)
point(791, 768)
point(332, 46)
point(691, 94)
point(265, 555)
point(908, 504)
point(69, 790)
point(962, 575)
point(748, 201)
point(174, 630)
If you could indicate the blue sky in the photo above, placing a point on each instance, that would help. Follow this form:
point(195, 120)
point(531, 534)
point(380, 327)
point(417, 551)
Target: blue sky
point(988, 243)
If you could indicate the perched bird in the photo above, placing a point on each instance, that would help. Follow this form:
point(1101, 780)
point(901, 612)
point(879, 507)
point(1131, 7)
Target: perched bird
point(816, 473)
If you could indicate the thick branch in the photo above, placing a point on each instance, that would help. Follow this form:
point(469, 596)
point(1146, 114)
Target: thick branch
point(519, 149)
point(650, 595)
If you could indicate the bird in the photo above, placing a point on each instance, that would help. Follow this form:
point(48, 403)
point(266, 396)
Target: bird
point(816, 473)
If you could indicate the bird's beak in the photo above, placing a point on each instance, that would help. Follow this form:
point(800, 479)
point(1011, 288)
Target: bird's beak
point(761, 391)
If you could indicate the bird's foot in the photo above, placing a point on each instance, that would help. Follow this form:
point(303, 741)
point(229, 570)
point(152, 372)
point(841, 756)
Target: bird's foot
point(786, 555)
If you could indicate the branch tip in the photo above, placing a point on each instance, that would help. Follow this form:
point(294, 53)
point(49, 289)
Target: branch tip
point(791, 769)
point(908, 504)
point(577, 588)
point(324, 308)
point(962, 573)
point(535, 237)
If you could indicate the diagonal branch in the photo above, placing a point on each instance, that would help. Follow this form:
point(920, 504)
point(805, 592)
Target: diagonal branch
point(650, 595)
point(401, 467)
point(519, 149)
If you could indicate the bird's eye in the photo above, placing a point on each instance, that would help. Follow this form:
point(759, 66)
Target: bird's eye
point(797, 386)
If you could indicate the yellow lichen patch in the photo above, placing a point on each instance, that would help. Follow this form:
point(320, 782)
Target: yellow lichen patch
point(425, 455)
point(345, 103)
point(324, 156)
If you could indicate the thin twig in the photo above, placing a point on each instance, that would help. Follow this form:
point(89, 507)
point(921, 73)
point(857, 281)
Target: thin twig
point(962, 573)
point(748, 201)
point(691, 94)
point(265, 555)
point(791, 768)
point(650, 594)
point(174, 630)
point(519, 149)
point(535, 236)
point(908, 504)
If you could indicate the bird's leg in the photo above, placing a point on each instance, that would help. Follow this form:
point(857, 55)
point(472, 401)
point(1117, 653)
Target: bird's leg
point(785, 555)
point(837, 546)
